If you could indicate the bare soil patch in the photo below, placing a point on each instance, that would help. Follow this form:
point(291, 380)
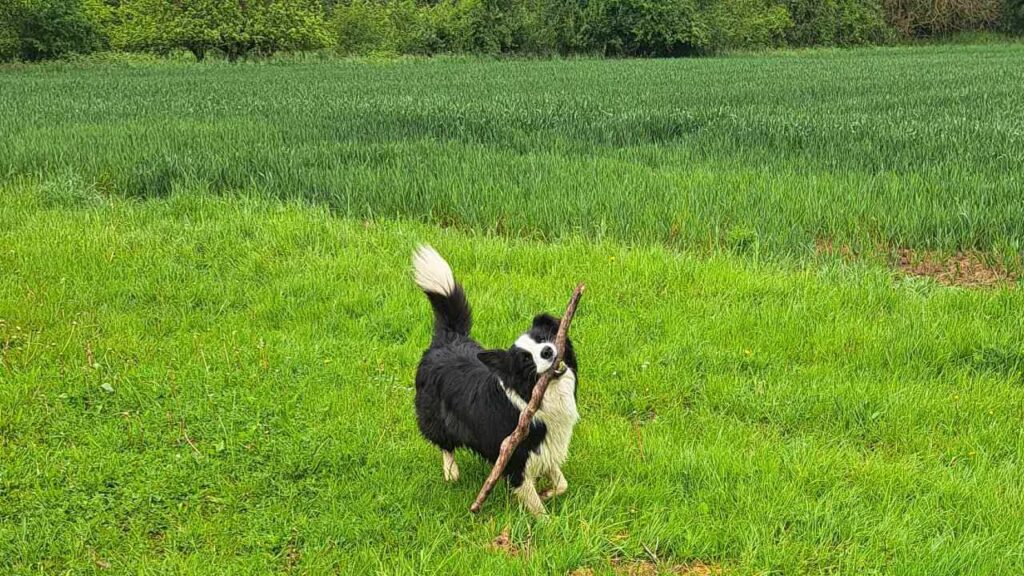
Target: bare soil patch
point(622, 567)
point(966, 268)
point(504, 544)
point(970, 269)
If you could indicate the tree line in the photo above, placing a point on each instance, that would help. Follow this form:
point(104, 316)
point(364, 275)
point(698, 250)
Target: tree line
point(41, 29)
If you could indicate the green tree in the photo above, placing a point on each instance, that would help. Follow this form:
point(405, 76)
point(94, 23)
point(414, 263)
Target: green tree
point(1013, 16)
point(41, 29)
point(837, 22)
point(286, 25)
point(235, 27)
point(646, 27)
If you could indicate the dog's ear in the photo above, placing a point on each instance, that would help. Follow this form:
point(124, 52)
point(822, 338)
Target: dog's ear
point(546, 323)
point(496, 360)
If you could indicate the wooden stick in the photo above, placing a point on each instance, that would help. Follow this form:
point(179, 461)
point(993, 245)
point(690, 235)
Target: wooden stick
point(508, 445)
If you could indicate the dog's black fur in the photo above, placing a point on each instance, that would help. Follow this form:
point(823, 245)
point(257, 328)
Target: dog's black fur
point(461, 398)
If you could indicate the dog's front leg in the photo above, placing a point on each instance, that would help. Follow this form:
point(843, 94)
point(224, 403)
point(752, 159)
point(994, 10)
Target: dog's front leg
point(451, 469)
point(528, 497)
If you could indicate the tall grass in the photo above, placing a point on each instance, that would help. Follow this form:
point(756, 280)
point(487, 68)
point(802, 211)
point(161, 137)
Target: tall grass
point(918, 147)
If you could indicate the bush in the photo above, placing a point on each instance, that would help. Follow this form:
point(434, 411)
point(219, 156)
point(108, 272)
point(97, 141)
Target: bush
point(1013, 16)
point(645, 27)
point(837, 23)
point(453, 26)
point(236, 29)
point(683, 27)
point(360, 27)
point(922, 18)
point(502, 26)
point(9, 42)
point(749, 24)
point(557, 27)
point(286, 25)
point(39, 29)
point(103, 16)
point(456, 26)
point(510, 26)
point(365, 26)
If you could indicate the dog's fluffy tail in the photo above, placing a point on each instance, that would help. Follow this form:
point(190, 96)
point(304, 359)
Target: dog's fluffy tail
point(452, 316)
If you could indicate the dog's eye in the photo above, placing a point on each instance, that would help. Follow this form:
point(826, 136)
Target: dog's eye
point(547, 353)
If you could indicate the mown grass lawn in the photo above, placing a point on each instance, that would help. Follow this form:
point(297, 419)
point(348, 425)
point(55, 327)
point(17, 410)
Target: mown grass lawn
point(198, 384)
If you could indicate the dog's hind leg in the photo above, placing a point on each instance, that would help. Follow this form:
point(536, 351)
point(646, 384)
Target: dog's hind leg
point(451, 469)
point(558, 484)
point(528, 497)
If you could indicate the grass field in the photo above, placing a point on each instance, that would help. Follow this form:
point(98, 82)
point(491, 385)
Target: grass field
point(208, 329)
point(883, 148)
point(192, 382)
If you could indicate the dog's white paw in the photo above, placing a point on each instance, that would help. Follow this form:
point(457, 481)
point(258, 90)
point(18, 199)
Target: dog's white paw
point(527, 495)
point(558, 485)
point(451, 469)
point(550, 493)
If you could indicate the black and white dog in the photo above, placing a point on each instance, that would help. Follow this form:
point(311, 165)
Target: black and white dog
point(470, 397)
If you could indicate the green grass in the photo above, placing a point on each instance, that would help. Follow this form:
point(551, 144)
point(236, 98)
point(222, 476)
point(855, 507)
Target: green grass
point(201, 384)
point(876, 148)
point(208, 331)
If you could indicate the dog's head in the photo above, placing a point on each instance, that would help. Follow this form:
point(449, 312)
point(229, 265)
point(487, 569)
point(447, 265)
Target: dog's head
point(531, 355)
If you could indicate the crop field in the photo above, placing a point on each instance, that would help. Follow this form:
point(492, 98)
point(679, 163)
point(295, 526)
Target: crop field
point(209, 331)
point(882, 148)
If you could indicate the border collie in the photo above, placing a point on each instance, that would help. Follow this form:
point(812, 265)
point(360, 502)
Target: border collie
point(470, 397)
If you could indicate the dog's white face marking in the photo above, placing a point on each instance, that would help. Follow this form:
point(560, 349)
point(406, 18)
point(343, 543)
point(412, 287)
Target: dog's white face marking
point(543, 353)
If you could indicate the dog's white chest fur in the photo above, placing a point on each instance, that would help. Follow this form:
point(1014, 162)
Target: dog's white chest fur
point(558, 413)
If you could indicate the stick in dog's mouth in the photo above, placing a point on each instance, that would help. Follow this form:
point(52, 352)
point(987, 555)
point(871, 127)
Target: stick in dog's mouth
point(562, 369)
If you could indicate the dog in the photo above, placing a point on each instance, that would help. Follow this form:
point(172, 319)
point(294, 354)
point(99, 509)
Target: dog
point(470, 397)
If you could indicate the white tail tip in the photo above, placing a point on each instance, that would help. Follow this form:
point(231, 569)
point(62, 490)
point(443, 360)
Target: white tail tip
point(431, 272)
